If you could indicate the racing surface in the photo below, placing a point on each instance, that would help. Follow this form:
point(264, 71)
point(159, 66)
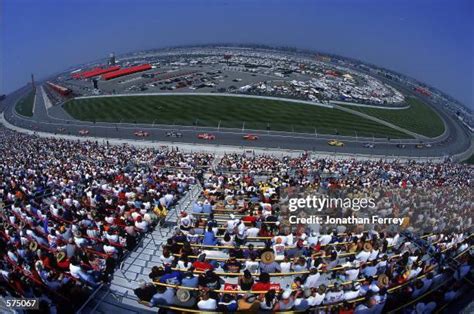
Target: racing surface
point(455, 140)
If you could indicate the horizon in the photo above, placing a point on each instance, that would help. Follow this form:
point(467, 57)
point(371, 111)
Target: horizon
point(426, 29)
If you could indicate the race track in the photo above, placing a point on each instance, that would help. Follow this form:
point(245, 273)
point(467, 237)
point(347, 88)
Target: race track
point(455, 140)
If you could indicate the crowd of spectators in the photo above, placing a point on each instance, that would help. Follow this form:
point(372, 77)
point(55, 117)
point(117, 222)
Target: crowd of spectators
point(217, 259)
point(435, 197)
point(71, 210)
point(329, 273)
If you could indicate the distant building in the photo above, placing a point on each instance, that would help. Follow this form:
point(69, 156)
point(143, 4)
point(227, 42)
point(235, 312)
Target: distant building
point(112, 59)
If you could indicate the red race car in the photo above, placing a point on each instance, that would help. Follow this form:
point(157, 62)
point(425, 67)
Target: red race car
point(206, 136)
point(250, 137)
point(141, 133)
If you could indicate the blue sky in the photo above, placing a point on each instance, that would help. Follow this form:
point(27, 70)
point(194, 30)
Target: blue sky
point(431, 40)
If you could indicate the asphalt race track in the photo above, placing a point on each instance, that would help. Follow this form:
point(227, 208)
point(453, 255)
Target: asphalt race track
point(455, 140)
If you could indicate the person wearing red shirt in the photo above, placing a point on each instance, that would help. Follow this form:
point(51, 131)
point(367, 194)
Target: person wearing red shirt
point(263, 283)
point(62, 261)
point(250, 218)
point(201, 264)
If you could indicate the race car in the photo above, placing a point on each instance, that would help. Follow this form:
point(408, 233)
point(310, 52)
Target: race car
point(250, 137)
point(141, 133)
point(420, 146)
point(83, 132)
point(206, 136)
point(335, 143)
point(61, 129)
point(369, 145)
point(401, 146)
point(174, 134)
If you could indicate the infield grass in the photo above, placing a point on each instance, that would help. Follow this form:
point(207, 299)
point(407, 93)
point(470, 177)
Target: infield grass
point(419, 118)
point(228, 112)
point(25, 105)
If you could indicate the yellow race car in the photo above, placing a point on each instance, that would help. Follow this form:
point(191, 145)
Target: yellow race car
point(335, 143)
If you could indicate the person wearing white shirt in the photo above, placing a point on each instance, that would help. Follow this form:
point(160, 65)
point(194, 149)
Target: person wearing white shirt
point(352, 293)
point(373, 286)
point(183, 264)
point(334, 295)
point(252, 232)
point(325, 239)
point(80, 241)
point(77, 272)
point(373, 255)
point(112, 237)
point(313, 278)
point(109, 219)
point(415, 272)
point(381, 265)
point(312, 239)
point(166, 259)
point(231, 224)
point(412, 259)
point(319, 296)
point(168, 199)
point(207, 303)
point(279, 251)
point(110, 249)
point(141, 224)
point(369, 271)
point(252, 266)
point(285, 266)
point(92, 233)
point(352, 274)
point(363, 256)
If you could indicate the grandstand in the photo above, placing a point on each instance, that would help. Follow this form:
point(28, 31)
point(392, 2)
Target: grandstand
point(94, 72)
point(59, 89)
point(57, 93)
point(83, 207)
point(126, 71)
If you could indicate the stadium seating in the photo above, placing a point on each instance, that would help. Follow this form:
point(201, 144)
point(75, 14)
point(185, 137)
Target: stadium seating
point(71, 211)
